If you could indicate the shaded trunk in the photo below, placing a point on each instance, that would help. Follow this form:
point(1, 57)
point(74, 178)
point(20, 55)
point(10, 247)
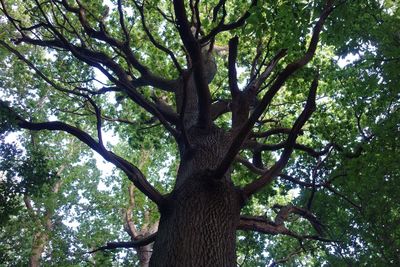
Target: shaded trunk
point(144, 254)
point(41, 237)
point(198, 228)
point(38, 245)
point(198, 224)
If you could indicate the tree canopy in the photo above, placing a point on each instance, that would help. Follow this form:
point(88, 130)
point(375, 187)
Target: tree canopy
point(250, 133)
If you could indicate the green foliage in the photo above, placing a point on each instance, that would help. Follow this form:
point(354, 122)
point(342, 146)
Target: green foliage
point(358, 109)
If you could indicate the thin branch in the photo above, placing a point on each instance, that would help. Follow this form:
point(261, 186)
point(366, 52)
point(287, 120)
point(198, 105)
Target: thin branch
point(270, 132)
point(216, 9)
point(285, 211)
point(227, 27)
point(265, 226)
point(140, 8)
point(86, 55)
point(122, 21)
point(98, 120)
point(147, 78)
point(250, 165)
point(335, 192)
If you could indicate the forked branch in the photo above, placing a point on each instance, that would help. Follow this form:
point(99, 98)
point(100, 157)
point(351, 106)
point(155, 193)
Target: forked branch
point(193, 47)
point(266, 226)
point(282, 77)
point(267, 177)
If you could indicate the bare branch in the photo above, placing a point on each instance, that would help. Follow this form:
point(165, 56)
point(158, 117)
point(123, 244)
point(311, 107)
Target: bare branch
point(122, 21)
point(140, 8)
point(98, 120)
point(88, 56)
point(221, 4)
point(267, 98)
point(227, 27)
point(249, 165)
point(263, 225)
point(218, 108)
point(270, 132)
point(289, 146)
point(285, 211)
point(256, 83)
point(133, 173)
point(131, 244)
point(244, 131)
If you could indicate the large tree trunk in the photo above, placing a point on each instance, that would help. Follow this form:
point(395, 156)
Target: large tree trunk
point(198, 225)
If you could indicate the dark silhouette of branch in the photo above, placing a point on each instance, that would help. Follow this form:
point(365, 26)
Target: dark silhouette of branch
point(309, 108)
point(122, 21)
point(270, 132)
point(130, 91)
point(128, 244)
point(140, 8)
point(264, 225)
point(133, 173)
point(219, 107)
point(227, 27)
point(233, 50)
point(268, 96)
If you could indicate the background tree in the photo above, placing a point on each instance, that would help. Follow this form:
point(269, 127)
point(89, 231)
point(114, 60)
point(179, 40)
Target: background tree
point(228, 92)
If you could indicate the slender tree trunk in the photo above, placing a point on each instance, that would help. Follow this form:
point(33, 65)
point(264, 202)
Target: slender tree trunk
point(144, 253)
point(41, 237)
point(38, 244)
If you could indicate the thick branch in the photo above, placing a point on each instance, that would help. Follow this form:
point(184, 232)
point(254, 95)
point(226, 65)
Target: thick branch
point(265, 226)
point(260, 224)
point(285, 211)
point(133, 173)
point(218, 108)
point(131, 244)
point(194, 49)
point(244, 131)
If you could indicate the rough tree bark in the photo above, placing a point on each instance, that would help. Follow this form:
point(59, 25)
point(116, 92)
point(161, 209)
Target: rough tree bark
point(198, 223)
point(199, 218)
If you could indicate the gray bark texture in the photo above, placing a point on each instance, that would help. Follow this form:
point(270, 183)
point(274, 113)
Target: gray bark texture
point(198, 224)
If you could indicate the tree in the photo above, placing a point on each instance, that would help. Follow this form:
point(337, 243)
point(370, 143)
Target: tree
point(228, 91)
